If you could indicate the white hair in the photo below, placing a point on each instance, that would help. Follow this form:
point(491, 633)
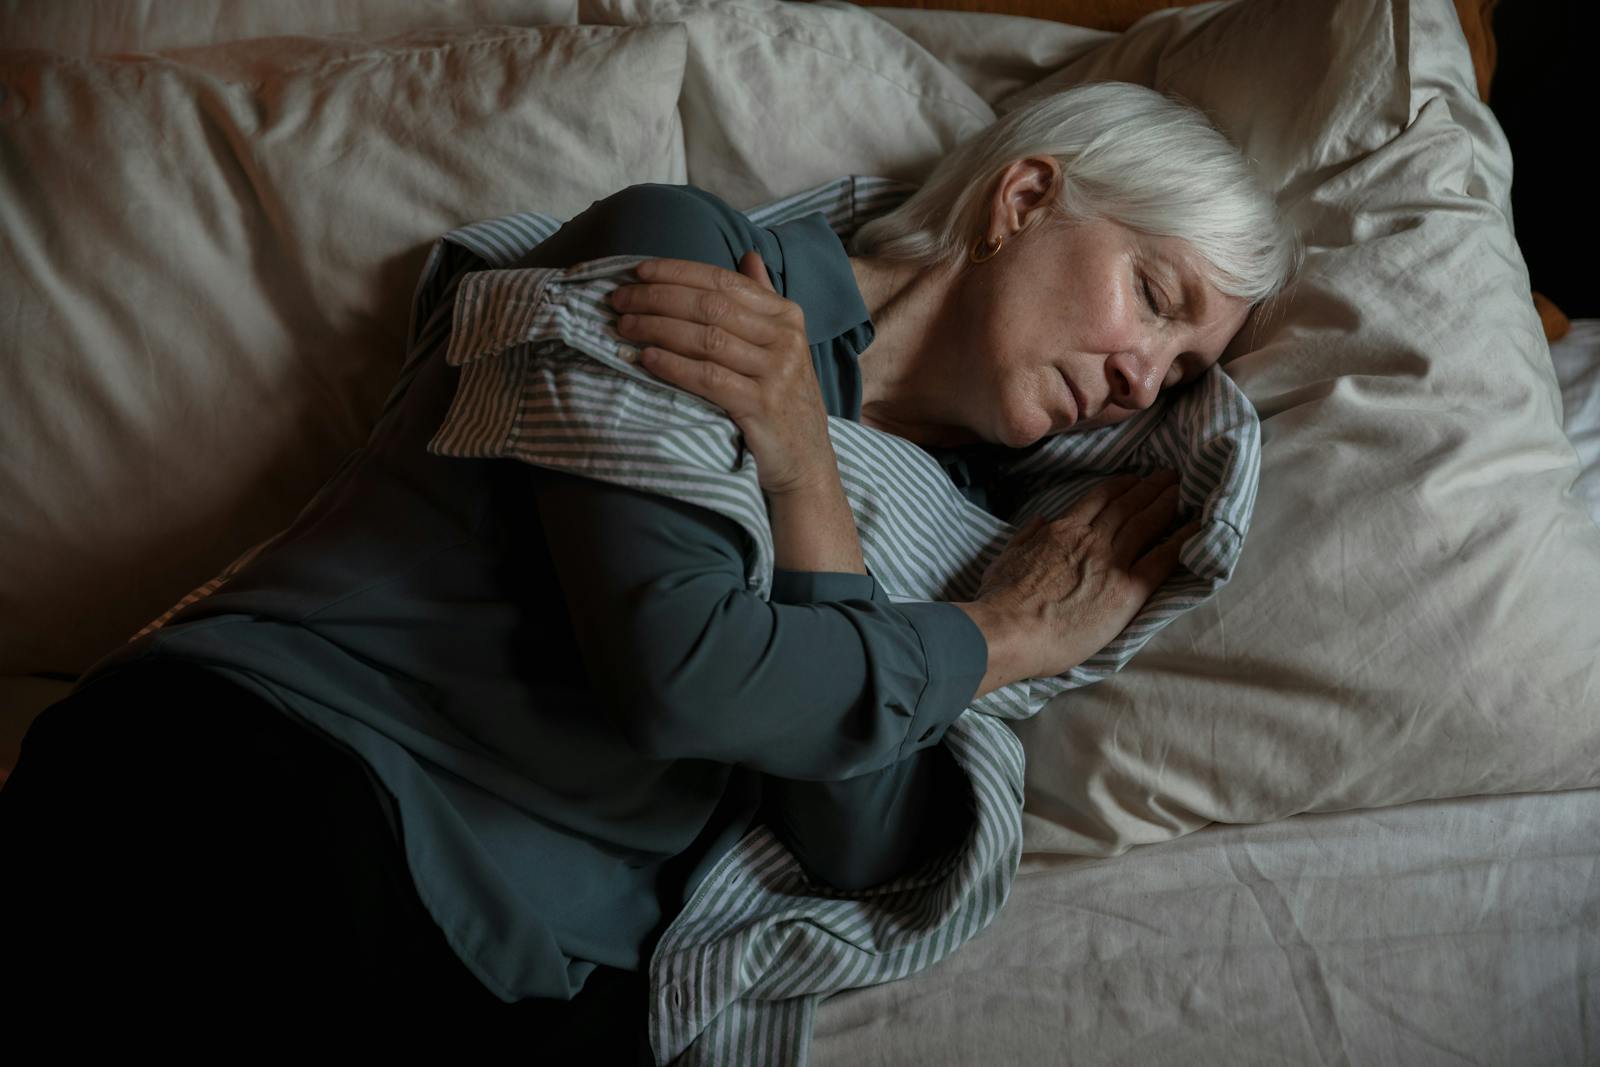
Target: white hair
point(1129, 155)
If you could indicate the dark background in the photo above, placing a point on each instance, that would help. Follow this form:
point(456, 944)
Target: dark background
point(1545, 96)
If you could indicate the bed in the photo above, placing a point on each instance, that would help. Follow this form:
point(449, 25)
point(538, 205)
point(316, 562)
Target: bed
point(1347, 810)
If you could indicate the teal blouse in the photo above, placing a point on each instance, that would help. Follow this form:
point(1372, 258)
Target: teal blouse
point(460, 625)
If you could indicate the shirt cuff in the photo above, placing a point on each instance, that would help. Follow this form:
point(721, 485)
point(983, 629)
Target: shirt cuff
point(811, 587)
point(957, 657)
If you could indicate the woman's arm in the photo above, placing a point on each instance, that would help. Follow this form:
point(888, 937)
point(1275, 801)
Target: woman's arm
point(694, 665)
point(814, 530)
point(867, 830)
point(691, 662)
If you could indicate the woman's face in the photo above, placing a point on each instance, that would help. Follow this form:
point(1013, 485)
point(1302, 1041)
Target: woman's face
point(1077, 325)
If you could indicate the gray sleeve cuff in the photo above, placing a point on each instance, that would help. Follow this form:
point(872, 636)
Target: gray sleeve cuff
point(957, 657)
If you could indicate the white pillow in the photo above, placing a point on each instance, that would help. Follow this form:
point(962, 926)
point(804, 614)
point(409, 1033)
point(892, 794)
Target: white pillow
point(997, 55)
point(90, 27)
point(780, 97)
point(210, 259)
point(1414, 614)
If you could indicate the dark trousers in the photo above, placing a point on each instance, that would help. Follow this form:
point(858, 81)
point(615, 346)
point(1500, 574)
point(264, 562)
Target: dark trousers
point(173, 844)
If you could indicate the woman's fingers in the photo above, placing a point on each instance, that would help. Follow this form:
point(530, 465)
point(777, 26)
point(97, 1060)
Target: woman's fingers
point(730, 338)
point(702, 323)
point(672, 280)
point(1130, 511)
point(722, 306)
point(1109, 505)
point(752, 266)
point(1145, 525)
point(728, 389)
point(1159, 563)
point(702, 342)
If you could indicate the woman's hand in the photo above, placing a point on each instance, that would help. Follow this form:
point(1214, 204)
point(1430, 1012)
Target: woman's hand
point(1061, 590)
point(730, 338)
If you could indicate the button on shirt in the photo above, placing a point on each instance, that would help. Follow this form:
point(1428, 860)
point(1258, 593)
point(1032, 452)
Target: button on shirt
point(465, 627)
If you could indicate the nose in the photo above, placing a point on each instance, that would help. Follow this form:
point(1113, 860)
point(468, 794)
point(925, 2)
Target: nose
point(1136, 378)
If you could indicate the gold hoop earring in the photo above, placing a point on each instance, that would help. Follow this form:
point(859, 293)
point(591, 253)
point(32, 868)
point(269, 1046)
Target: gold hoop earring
point(998, 241)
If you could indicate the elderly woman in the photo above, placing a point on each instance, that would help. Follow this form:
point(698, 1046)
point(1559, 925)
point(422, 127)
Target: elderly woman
point(472, 732)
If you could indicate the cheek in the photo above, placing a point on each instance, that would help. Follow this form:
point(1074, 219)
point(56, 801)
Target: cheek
point(1025, 413)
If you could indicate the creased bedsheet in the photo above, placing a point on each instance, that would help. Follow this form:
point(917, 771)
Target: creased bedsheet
point(546, 380)
point(1445, 933)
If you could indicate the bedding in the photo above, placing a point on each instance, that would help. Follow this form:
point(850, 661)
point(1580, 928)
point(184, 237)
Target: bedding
point(1474, 16)
point(1459, 932)
point(1410, 619)
point(228, 300)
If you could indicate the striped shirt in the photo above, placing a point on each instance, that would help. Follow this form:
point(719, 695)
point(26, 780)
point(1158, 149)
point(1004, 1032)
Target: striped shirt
point(546, 380)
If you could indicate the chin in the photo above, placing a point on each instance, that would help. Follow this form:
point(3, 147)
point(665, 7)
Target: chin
point(1018, 440)
point(1033, 435)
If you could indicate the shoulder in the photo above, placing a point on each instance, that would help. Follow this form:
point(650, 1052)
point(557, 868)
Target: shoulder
point(651, 219)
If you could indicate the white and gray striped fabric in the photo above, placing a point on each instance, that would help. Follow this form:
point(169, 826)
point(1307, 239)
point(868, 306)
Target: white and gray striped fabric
point(736, 978)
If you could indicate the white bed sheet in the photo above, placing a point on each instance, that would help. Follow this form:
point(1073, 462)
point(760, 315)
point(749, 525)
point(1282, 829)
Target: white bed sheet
point(1461, 932)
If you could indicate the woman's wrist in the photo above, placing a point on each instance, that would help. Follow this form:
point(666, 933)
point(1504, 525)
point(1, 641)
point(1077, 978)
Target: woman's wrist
point(1007, 660)
point(813, 529)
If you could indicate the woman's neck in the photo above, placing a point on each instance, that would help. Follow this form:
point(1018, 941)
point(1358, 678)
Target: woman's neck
point(903, 368)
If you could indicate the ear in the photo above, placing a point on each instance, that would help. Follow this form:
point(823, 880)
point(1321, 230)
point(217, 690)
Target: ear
point(1030, 190)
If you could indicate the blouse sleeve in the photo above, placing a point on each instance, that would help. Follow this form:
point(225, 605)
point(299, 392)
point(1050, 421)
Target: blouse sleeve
point(693, 665)
point(870, 829)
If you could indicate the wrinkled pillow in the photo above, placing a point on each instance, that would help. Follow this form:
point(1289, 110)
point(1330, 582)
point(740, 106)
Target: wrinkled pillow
point(1113, 15)
point(1413, 615)
point(964, 35)
point(1119, 15)
point(780, 97)
point(210, 256)
point(90, 27)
